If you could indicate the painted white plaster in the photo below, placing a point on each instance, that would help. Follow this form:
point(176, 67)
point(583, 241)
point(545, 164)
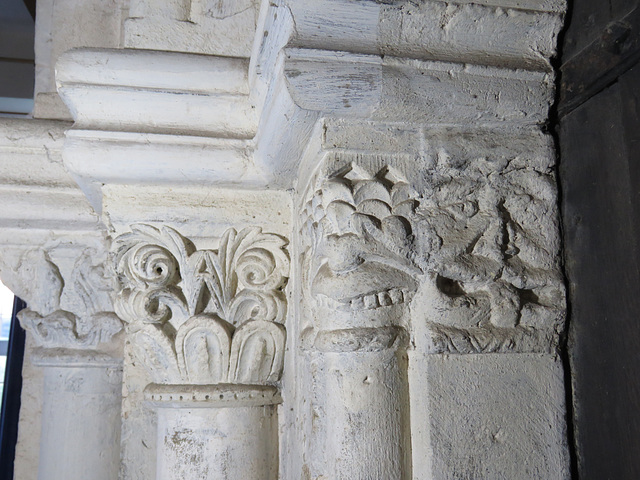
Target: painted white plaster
point(60, 26)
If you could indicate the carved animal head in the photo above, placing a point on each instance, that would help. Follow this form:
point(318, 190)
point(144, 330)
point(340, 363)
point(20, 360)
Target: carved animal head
point(361, 231)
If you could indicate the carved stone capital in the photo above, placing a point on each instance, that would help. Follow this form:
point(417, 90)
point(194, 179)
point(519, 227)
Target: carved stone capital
point(204, 316)
point(464, 254)
point(359, 227)
point(69, 304)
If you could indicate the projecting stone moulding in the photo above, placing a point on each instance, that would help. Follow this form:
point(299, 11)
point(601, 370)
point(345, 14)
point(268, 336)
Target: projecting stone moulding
point(203, 316)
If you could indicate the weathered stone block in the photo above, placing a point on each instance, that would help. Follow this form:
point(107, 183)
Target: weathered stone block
point(488, 416)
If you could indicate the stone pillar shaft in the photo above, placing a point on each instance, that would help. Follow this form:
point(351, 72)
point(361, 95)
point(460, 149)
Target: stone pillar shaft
point(224, 432)
point(80, 418)
point(206, 324)
point(362, 423)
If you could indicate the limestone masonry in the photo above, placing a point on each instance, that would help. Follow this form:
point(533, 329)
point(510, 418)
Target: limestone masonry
point(289, 239)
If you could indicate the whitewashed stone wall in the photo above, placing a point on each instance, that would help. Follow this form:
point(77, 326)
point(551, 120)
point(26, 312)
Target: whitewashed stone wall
point(329, 229)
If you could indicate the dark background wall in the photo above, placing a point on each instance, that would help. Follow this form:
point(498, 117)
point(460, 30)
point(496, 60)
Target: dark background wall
point(599, 171)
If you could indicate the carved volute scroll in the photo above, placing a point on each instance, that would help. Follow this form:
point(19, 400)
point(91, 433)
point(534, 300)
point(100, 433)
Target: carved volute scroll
point(87, 319)
point(204, 316)
point(473, 249)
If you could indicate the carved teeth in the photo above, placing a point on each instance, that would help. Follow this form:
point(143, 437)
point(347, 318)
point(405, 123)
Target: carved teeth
point(371, 301)
point(396, 295)
point(384, 299)
point(357, 303)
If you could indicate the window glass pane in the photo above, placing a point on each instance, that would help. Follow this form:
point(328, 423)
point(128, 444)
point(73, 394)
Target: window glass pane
point(6, 310)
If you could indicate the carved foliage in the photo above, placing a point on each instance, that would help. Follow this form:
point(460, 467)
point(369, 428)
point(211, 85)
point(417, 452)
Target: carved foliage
point(480, 241)
point(63, 329)
point(87, 318)
point(203, 316)
point(360, 231)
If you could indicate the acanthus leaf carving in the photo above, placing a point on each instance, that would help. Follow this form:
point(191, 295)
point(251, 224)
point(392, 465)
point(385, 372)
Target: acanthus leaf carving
point(203, 345)
point(256, 352)
point(202, 303)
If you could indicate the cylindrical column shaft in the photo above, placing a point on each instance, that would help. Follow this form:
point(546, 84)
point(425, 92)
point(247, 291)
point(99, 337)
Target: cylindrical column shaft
point(215, 432)
point(81, 421)
point(360, 405)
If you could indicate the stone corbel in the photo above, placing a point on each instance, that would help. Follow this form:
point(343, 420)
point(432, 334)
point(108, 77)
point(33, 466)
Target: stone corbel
point(208, 326)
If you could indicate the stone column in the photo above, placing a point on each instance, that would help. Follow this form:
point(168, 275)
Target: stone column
point(423, 177)
point(198, 326)
point(79, 352)
point(52, 255)
point(359, 281)
point(216, 431)
point(208, 326)
point(360, 397)
point(80, 436)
